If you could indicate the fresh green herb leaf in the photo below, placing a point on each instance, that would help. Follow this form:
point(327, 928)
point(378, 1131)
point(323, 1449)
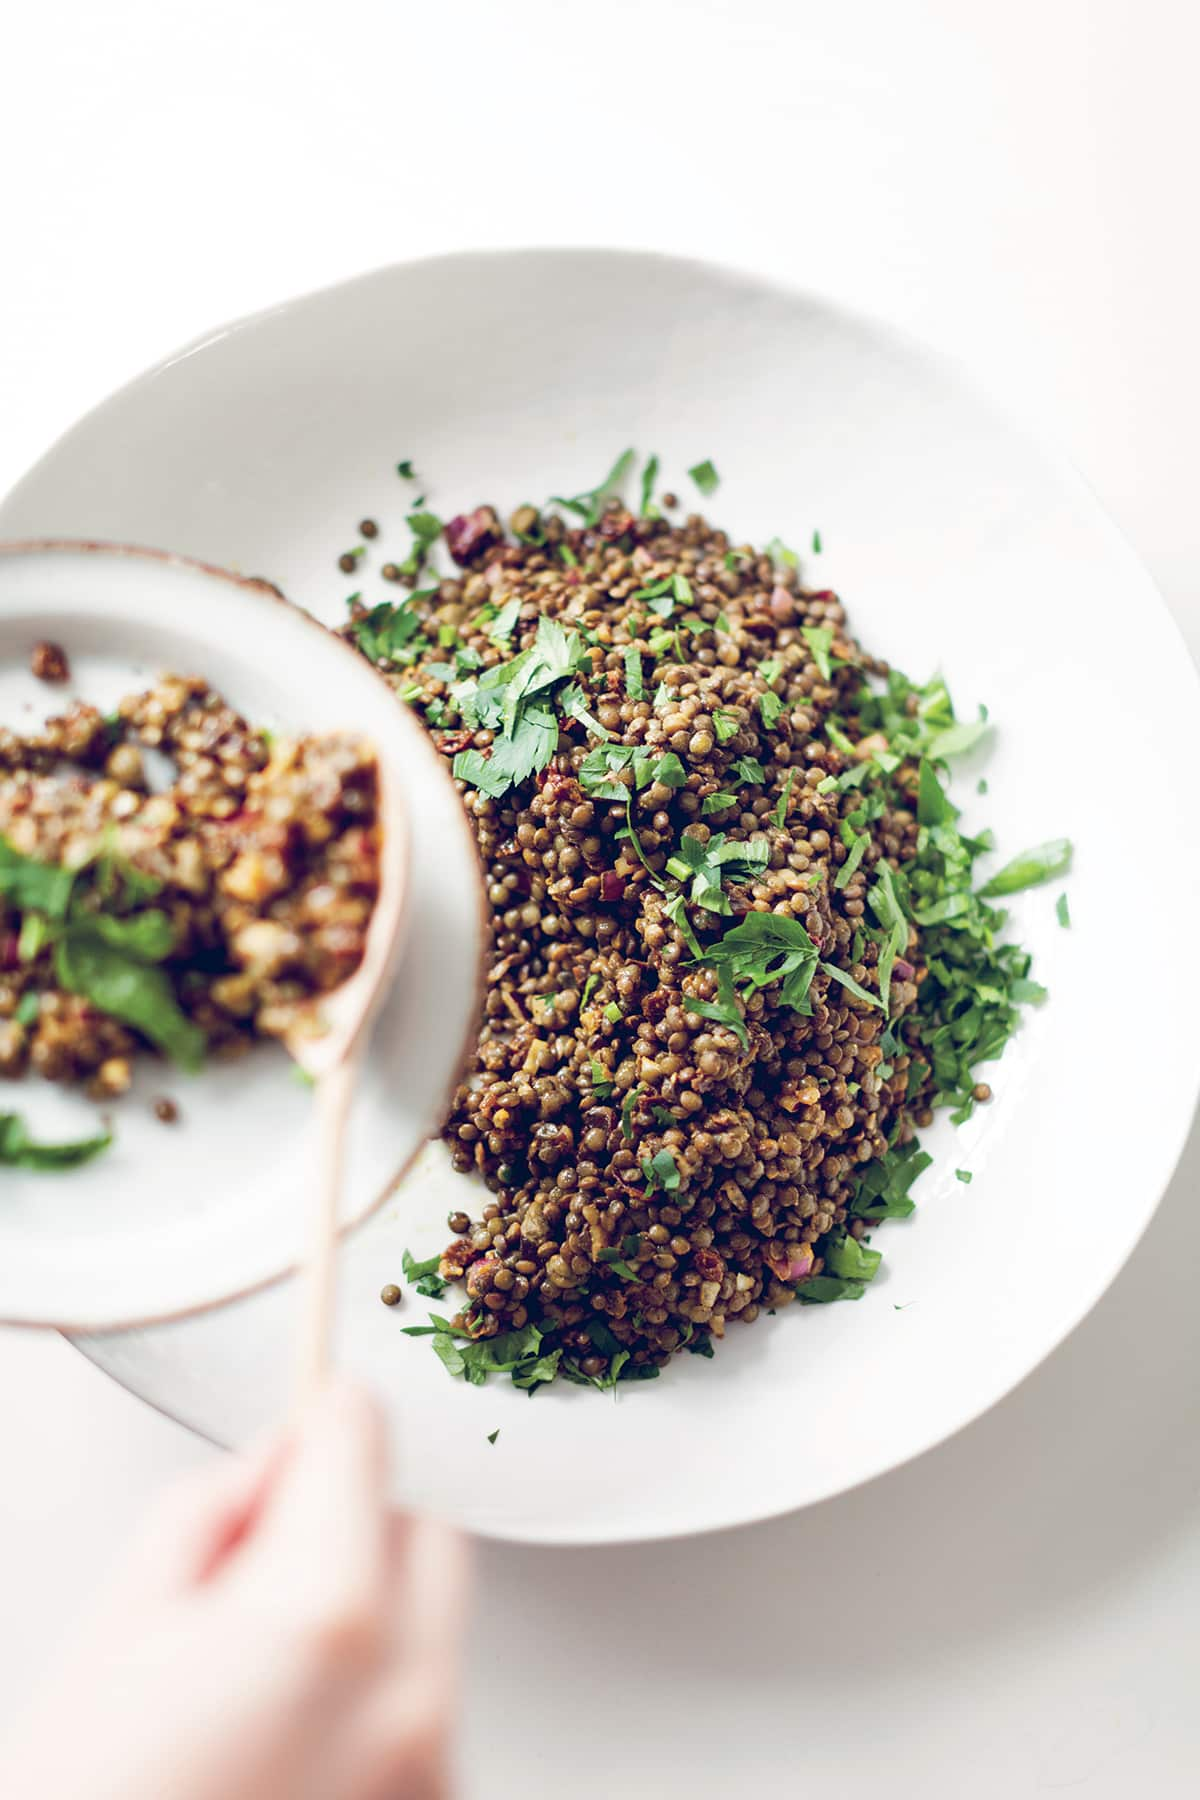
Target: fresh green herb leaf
point(963, 1175)
point(749, 770)
point(627, 1106)
point(724, 1010)
point(956, 740)
point(766, 948)
point(820, 642)
point(601, 1079)
point(28, 1009)
point(649, 476)
point(820, 1290)
point(1062, 911)
point(125, 988)
point(503, 625)
point(858, 850)
point(18, 1150)
point(568, 556)
point(851, 1260)
point(816, 543)
point(493, 1435)
point(851, 986)
point(770, 706)
point(589, 505)
point(681, 588)
point(33, 886)
point(715, 803)
point(981, 786)
point(778, 551)
point(725, 724)
point(660, 1171)
point(705, 476)
point(676, 910)
point(883, 1190)
point(669, 771)
point(405, 469)
point(781, 808)
point(1031, 868)
point(634, 686)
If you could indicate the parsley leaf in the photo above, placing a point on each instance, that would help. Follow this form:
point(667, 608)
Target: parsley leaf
point(1031, 868)
point(749, 770)
point(1062, 911)
point(634, 685)
point(649, 476)
point(820, 641)
point(705, 476)
point(18, 1150)
point(589, 505)
point(423, 1275)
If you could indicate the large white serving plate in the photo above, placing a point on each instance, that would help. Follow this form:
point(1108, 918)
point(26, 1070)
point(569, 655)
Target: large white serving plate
point(957, 542)
point(172, 1219)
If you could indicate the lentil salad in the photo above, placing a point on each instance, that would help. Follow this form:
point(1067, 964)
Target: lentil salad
point(188, 921)
point(739, 954)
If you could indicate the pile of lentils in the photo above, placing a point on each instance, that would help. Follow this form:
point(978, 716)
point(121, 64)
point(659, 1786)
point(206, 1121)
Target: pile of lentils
point(657, 1171)
point(210, 911)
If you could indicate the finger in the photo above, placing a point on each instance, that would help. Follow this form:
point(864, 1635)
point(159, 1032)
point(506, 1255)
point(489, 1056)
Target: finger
point(323, 1526)
point(404, 1727)
point(192, 1528)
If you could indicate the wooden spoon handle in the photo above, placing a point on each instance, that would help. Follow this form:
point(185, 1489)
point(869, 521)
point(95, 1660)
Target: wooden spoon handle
point(334, 1091)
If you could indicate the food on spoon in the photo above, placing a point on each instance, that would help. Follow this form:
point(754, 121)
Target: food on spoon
point(188, 921)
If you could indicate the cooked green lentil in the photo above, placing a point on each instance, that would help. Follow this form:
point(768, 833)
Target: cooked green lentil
point(710, 827)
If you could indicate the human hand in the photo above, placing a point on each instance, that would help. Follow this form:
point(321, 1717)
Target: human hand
point(274, 1634)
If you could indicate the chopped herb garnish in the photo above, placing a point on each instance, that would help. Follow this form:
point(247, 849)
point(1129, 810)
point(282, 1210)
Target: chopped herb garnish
point(589, 505)
point(705, 477)
point(1031, 868)
point(778, 551)
point(816, 543)
point(634, 685)
point(715, 803)
point(612, 1012)
point(649, 476)
point(725, 724)
point(820, 640)
point(20, 1151)
point(749, 770)
point(405, 469)
point(1062, 911)
point(660, 1172)
point(770, 706)
point(493, 1435)
point(627, 1106)
point(423, 1276)
point(963, 1175)
point(669, 771)
point(782, 805)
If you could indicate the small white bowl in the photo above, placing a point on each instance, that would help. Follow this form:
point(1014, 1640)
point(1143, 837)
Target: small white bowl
point(175, 1218)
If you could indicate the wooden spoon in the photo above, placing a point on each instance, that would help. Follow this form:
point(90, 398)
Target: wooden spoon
point(328, 1041)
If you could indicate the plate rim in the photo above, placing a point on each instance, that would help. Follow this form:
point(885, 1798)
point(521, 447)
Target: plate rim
point(1041, 441)
point(266, 589)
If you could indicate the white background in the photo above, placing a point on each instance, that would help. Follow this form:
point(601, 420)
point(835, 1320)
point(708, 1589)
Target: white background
point(1016, 1613)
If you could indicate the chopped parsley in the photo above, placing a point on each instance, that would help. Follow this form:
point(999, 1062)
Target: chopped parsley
point(589, 506)
point(423, 1276)
point(963, 1175)
point(493, 1435)
point(405, 469)
point(20, 1151)
point(705, 476)
point(820, 641)
point(1031, 868)
point(1062, 911)
point(816, 543)
point(649, 476)
point(634, 685)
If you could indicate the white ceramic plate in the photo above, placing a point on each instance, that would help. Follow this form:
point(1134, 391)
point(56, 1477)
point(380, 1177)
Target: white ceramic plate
point(169, 1220)
point(957, 542)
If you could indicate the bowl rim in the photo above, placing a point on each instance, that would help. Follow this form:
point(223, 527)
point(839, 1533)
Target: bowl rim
point(262, 588)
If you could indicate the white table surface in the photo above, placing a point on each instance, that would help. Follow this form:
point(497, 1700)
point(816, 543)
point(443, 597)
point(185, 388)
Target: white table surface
point(1014, 1614)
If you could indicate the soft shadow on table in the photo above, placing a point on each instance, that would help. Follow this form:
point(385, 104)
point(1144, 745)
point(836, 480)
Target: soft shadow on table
point(1088, 1467)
